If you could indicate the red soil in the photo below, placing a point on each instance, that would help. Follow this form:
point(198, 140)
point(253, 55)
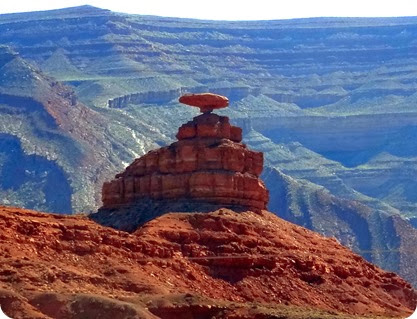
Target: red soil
point(55, 266)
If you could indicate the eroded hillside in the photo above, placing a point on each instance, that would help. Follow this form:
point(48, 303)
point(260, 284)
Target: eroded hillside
point(195, 265)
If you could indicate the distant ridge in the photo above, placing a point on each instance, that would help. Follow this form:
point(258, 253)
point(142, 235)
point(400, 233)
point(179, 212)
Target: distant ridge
point(89, 10)
point(85, 10)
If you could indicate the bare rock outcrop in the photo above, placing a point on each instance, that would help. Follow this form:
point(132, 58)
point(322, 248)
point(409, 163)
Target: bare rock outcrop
point(207, 165)
point(207, 102)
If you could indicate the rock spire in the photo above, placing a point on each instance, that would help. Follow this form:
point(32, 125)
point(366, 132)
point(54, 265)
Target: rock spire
point(207, 165)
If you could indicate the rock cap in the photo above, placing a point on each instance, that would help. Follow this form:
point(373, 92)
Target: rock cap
point(207, 102)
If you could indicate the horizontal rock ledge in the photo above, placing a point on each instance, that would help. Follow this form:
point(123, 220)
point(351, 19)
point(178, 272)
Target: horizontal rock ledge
point(222, 186)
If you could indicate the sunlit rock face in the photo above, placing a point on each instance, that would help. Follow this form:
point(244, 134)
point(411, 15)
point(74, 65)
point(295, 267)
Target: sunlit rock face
point(207, 165)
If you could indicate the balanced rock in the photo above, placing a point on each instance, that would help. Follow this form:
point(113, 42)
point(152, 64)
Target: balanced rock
point(208, 165)
point(207, 102)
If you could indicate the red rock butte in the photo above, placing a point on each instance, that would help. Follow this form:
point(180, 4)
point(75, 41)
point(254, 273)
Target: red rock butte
point(207, 165)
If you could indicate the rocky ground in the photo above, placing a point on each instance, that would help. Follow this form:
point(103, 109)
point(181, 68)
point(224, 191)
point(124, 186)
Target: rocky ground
point(187, 265)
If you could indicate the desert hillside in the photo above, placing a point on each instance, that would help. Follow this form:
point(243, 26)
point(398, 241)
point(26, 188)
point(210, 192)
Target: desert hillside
point(187, 265)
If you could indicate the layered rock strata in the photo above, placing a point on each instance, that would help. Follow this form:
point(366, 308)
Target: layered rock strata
point(187, 265)
point(208, 164)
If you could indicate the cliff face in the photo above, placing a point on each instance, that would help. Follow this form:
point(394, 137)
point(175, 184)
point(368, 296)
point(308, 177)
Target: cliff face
point(26, 177)
point(187, 265)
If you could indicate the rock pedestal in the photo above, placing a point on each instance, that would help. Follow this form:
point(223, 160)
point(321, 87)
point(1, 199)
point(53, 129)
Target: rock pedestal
point(208, 164)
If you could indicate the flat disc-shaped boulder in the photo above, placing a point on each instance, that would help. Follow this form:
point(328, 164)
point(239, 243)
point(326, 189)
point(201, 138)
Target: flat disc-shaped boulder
point(207, 102)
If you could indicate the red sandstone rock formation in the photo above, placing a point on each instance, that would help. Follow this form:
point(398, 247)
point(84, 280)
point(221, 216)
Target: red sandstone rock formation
point(207, 164)
point(205, 101)
point(220, 264)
